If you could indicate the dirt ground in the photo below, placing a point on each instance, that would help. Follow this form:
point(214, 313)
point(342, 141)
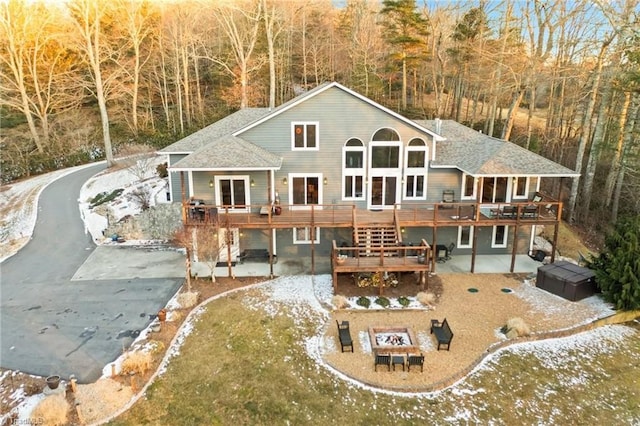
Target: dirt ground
point(475, 319)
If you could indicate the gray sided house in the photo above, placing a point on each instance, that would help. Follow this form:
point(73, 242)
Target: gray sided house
point(333, 172)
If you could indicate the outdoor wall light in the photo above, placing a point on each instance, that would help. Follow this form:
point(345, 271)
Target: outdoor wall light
point(253, 182)
point(211, 183)
point(326, 181)
point(284, 181)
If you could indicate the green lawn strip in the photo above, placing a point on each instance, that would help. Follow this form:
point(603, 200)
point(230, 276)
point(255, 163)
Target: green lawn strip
point(243, 366)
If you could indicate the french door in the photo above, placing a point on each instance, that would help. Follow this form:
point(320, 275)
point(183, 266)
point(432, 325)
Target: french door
point(385, 174)
point(233, 192)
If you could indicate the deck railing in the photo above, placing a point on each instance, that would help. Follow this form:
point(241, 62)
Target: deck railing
point(347, 215)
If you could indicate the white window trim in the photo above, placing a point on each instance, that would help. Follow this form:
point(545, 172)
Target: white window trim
point(462, 188)
point(293, 135)
point(415, 171)
point(524, 196)
point(308, 233)
point(503, 244)
point(247, 191)
point(320, 191)
point(460, 245)
point(353, 171)
point(384, 172)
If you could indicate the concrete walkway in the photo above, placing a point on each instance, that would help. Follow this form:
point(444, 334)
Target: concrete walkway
point(67, 307)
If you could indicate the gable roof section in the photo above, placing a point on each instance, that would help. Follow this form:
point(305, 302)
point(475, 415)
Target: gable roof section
point(229, 153)
point(327, 86)
point(478, 154)
point(220, 128)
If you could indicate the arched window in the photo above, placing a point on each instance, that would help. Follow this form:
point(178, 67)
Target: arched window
point(415, 171)
point(353, 169)
point(386, 134)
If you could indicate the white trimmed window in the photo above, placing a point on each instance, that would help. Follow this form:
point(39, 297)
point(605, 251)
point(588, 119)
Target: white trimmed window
point(520, 188)
point(305, 189)
point(353, 170)
point(415, 172)
point(305, 136)
point(499, 238)
point(465, 236)
point(303, 235)
point(469, 187)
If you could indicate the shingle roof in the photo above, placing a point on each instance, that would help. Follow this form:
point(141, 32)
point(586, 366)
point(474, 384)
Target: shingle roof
point(220, 128)
point(229, 153)
point(481, 155)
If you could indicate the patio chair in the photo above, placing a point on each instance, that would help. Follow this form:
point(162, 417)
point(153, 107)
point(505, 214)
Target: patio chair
point(448, 197)
point(382, 359)
point(509, 212)
point(415, 360)
point(449, 251)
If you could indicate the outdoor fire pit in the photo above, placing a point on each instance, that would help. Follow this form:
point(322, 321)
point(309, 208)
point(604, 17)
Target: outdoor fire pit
point(395, 339)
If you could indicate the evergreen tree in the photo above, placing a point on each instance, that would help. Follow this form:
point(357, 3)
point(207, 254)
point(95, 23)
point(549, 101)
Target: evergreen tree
point(618, 266)
point(405, 29)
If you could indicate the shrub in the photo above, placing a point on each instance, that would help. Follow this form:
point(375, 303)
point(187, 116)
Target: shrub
point(162, 171)
point(515, 327)
point(51, 411)
point(104, 197)
point(136, 362)
point(340, 302)
point(188, 299)
point(363, 301)
point(427, 299)
point(383, 301)
point(403, 301)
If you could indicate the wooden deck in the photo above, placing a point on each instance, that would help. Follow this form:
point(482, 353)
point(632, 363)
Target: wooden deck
point(347, 216)
point(381, 259)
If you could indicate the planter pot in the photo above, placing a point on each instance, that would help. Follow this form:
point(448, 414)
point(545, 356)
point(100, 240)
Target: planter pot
point(53, 382)
point(340, 262)
point(422, 259)
point(162, 315)
point(156, 328)
point(277, 210)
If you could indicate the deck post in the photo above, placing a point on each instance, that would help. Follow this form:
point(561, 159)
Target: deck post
point(271, 252)
point(515, 247)
point(473, 249)
point(556, 230)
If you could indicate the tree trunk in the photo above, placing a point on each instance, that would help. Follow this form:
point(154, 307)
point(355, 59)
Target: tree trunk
point(594, 152)
point(627, 124)
point(511, 116)
point(586, 128)
point(268, 23)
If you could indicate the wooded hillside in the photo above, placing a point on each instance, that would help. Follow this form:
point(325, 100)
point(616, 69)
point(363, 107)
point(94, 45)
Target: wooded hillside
point(83, 79)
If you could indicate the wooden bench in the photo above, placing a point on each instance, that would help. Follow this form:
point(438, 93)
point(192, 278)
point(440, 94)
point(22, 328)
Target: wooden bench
point(344, 335)
point(443, 333)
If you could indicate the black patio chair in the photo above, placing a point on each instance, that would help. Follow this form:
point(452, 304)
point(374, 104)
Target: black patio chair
point(382, 359)
point(415, 360)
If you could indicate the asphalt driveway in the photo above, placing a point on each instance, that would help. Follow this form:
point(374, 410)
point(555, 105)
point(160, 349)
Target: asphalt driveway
point(69, 307)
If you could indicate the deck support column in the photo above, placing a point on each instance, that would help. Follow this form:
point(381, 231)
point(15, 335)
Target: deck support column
point(515, 247)
point(271, 251)
point(474, 248)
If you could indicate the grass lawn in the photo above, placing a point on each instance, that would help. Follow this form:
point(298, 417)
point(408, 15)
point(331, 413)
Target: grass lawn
point(252, 359)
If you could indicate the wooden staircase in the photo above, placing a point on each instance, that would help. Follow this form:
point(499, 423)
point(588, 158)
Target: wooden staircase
point(369, 237)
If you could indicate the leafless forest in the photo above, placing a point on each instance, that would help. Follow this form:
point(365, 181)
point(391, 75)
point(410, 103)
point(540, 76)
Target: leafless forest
point(87, 79)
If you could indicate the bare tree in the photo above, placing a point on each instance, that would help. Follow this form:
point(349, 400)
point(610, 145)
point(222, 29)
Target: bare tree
point(90, 18)
point(35, 67)
point(241, 25)
point(139, 25)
